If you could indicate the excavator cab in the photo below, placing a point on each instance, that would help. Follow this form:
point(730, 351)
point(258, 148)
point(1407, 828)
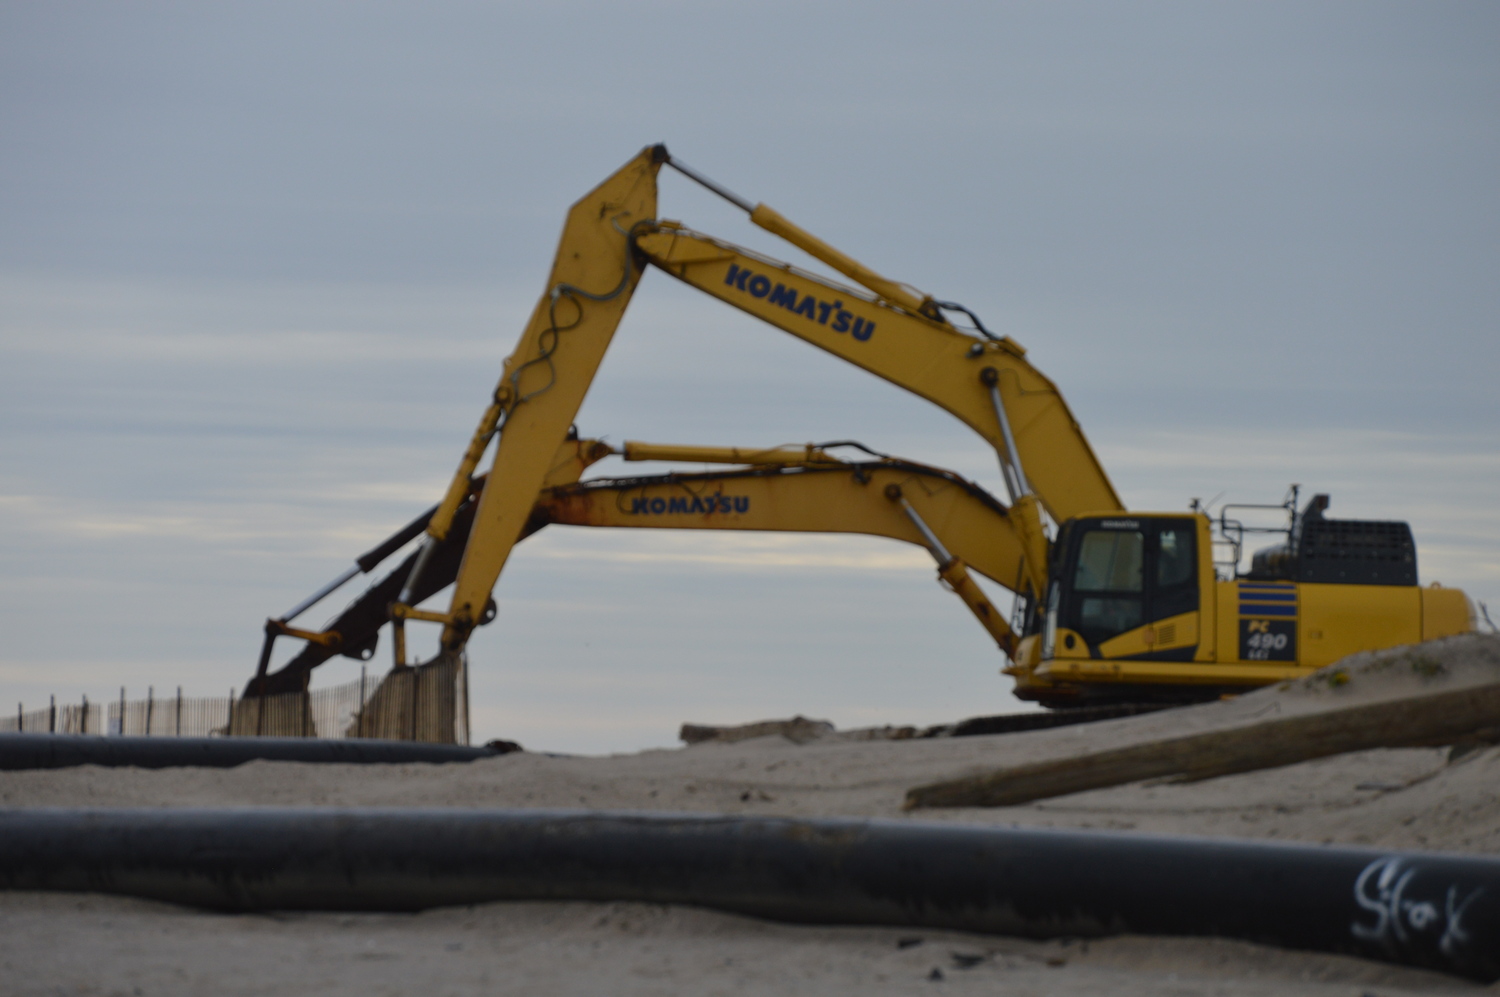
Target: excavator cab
point(1136, 610)
point(1119, 581)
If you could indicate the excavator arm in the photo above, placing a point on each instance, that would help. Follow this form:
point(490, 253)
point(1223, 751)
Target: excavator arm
point(798, 490)
point(928, 357)
point(887, 329)
point(354, 632)
point(542, 385)
point(957, 522)
point(982, 380)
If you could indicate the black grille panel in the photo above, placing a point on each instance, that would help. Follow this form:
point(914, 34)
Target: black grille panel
point(1356, 552)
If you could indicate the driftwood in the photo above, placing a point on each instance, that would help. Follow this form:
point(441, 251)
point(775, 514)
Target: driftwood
point(799, 729)
point(1456, 716)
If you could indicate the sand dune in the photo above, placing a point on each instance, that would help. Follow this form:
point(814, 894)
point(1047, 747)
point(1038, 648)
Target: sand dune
point(1417, 798)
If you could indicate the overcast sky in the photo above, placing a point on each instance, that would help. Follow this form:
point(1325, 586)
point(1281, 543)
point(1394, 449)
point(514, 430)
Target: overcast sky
point(260, 264)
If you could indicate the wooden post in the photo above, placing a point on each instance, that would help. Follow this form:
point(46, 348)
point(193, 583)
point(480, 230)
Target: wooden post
point(52, 714)
point(463, 664)
point(122, 711)
point(83, 724)
point(416, 696)
point(150, 706)
point(20, 719)
point(179, 711)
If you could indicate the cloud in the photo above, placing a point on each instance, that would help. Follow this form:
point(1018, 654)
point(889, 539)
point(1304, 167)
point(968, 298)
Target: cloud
point(262, 264)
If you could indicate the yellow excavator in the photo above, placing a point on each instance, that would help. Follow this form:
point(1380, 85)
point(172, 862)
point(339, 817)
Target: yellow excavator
point(1112, 605)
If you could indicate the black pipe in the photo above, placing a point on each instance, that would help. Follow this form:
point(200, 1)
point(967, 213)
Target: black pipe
point(1436, 911)
point(57, 751)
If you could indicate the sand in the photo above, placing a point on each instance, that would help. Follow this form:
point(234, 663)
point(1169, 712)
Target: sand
point(1396, 798)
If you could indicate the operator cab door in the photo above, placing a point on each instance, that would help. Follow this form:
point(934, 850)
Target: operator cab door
point(1115, 581)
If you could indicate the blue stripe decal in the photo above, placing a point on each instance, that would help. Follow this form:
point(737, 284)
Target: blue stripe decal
point(1269, 596)
point(1267, 586)
point(1248, 610)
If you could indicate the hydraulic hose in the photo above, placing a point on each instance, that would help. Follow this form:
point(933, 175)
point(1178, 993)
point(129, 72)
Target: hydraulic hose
point(1431, 910)
point(57, 751)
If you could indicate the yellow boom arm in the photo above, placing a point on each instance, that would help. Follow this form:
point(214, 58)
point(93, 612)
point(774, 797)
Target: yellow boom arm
point(544, 381)
point(888, 330)
point(927, 357)
point(960, 524)
point(792, 489)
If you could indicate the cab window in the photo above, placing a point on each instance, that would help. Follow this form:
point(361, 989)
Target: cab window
point(1176, 589)
point(1109, 561)
point(1174, 556)
point(1109, 564)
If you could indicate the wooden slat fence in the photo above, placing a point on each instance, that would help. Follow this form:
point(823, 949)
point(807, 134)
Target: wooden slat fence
point(423, 703)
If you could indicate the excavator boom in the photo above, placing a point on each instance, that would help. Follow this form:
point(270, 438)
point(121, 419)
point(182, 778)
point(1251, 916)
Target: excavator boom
point(888, 329)
point(929, 358)
point(801, 490)
point(826, 498)
point(956, 521)
point(544, 381)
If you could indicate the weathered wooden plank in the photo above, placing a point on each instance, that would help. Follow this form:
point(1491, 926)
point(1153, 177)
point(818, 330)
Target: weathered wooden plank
point(799, 729)
point(1438, 718)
